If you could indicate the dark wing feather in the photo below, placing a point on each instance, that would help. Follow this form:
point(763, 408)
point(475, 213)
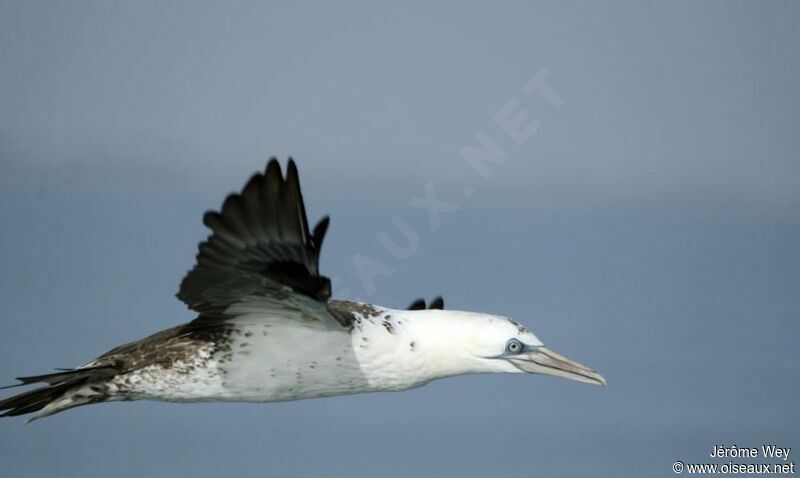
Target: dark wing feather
point(437, 303)
point(419, 304)
point(260, 245)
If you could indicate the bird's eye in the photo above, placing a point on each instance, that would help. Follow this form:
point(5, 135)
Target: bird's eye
point(513, 346)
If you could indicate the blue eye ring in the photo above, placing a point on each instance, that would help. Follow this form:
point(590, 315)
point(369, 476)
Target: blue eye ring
point(514, 347)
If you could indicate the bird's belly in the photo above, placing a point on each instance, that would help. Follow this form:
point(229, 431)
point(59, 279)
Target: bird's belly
point(260, 363)
point(275, 364)
point(291, 381)
point(263, 364)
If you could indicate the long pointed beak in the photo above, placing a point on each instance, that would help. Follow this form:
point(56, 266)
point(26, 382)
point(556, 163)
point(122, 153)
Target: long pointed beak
point(545, 361)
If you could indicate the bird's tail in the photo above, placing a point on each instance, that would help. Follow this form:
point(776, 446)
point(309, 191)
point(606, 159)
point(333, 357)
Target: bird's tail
point(65, 389)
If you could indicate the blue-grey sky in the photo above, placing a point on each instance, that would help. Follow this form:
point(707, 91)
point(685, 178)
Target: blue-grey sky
point(648, 226)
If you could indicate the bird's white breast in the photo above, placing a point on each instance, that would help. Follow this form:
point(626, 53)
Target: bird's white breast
point(288, 360)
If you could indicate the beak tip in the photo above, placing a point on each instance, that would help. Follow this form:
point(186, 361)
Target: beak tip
point(549, 362)
point(594, 378)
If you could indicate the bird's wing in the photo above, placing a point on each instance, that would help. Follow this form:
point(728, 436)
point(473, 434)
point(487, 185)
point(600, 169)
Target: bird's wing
point(419, 304)
point(261, 251)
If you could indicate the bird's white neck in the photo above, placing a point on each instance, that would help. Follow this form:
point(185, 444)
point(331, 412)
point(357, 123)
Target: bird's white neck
point(400, 349)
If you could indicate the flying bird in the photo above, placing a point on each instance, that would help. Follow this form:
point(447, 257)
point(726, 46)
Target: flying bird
point(267, 329)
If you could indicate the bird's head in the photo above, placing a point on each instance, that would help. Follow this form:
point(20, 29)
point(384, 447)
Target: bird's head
point(467, 342)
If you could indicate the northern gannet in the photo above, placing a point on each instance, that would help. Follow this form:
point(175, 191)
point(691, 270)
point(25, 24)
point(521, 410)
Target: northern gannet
point(267, 329)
